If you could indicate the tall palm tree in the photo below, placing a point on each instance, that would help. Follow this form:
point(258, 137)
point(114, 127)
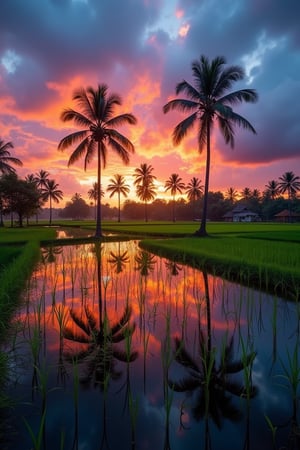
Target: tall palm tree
point(118, 186)
point(6, 159)
point(174, 184)
point(52, 193)
point(272, 189)
point(98, 133)
point(209, 101)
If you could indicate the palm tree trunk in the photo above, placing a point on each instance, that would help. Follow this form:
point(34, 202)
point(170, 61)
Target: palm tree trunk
point(50, 220)
point(119, 204)
point(202, 230)
point(98, 233)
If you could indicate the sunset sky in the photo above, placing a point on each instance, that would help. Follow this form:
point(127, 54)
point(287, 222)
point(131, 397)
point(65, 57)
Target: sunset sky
point(141, 49)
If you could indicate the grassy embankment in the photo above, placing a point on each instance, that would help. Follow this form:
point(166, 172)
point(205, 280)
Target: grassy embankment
point(264, 255)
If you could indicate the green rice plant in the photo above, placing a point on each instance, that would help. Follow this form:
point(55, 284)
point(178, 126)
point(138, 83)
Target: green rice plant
point(247, 358)
point(291, 372)
point(37, 440)
point(273, 430)
point(62, 318)
point(12, 281)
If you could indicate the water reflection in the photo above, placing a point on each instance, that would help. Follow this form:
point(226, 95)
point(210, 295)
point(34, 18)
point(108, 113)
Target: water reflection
point(119, 348)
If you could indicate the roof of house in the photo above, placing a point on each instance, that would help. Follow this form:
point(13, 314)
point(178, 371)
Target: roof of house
point(287, 213)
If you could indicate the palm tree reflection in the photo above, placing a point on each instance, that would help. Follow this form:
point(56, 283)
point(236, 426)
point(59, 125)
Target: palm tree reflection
point(101, 352)
point(98, 338)
point(118, 260)
point(210, 383)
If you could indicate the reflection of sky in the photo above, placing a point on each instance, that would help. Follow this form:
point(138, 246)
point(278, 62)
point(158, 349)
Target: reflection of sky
point(163, 306)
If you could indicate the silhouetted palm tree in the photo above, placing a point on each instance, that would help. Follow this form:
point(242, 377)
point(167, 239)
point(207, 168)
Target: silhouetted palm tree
point(6, 160)
point(246, 193)
point(117, 186)
point(144, 182)
point(231, 194)
point(289, 183)
point(51, 192)
point(41, 178)
point(208, 101)
point(174, 184)
point(272, 189)
point(99, 133)
point(93, 194)
point(144, 175)
point(194, 191)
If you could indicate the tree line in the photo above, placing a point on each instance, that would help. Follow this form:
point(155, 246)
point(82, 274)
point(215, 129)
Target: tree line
point(207, 102)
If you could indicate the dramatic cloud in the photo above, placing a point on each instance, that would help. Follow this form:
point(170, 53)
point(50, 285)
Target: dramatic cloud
point(142, 49)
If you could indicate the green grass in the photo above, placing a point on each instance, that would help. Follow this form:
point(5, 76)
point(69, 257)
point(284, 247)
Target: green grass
point(270, 264)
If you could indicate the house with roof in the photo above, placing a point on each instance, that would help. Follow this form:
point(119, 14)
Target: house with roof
point(287, 216)
point(241, 214)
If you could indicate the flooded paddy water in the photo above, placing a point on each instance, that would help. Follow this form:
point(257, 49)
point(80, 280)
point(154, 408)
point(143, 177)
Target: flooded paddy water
point(116, 348)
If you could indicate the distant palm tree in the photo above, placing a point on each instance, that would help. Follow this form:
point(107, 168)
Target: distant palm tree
point(143, 174)
point(272, 189)
point(117, 186)
point(41, 178)
point(194, 189)
point(174, 184)
point(231, 194)
point(144, 182)
point(246, 193)
point(52, 193)
point(208, 101)
point(6, 159)
point(93, 195)
point(146, 192)
point(95, 116)
point(289, 183)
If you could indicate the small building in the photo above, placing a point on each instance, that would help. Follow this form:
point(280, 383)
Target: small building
point(241, 214)
point(287, 216)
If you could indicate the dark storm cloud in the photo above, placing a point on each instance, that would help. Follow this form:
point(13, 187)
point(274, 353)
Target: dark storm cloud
point(263, 37)
point(115, 40)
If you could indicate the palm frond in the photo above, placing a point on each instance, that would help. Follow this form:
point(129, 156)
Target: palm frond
point(226, 130)
point(181, 105)
point(79, 119)
point(72, 139)
point(183, 357)
point(71, 335)
point(121, 119)
point(243, 95)
point(84, 326)
point(183, 128)
point(184, 385)
point(79, 151)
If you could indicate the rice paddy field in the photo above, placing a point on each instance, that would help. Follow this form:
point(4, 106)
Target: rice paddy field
point(162, 339)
